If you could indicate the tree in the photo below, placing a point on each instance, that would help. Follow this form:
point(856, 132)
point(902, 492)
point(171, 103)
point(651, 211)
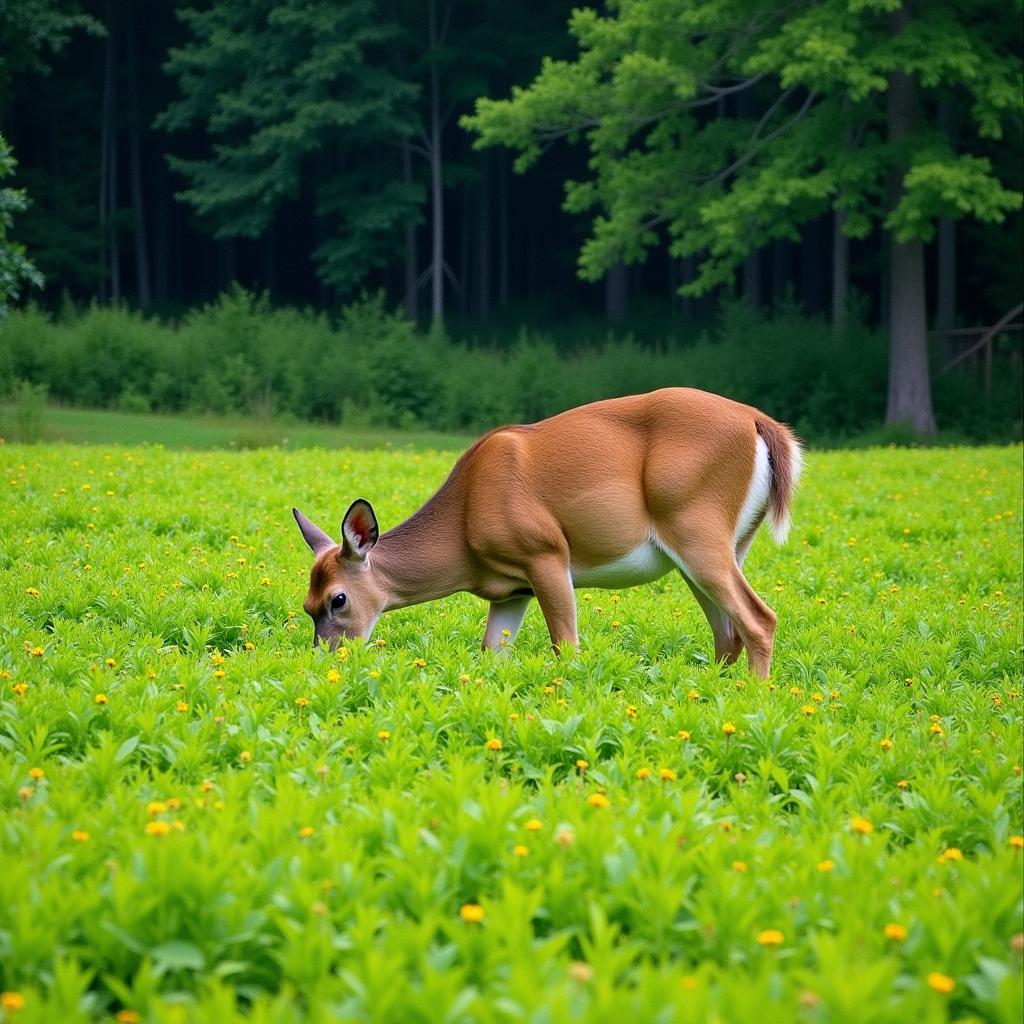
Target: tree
point(15, 268)
point(33, 31)
point(841, 90)
point(277, 85)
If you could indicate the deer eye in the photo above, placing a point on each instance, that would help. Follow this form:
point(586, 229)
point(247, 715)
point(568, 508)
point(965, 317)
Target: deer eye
point(338, 602)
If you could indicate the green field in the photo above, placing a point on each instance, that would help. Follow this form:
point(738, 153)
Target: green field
point(103, 426)
point(205, 820)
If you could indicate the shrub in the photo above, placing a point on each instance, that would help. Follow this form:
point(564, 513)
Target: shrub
point(372, 367)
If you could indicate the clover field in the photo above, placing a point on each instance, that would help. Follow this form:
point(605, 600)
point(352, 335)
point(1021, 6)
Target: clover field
point(202, 819)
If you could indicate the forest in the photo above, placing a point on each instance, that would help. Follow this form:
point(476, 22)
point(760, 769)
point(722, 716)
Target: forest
point(488, 168)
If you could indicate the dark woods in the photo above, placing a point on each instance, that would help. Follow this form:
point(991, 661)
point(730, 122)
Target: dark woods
point(313, 152)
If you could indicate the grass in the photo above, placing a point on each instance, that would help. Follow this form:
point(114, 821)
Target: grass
point(203, 819)
point(99, 426)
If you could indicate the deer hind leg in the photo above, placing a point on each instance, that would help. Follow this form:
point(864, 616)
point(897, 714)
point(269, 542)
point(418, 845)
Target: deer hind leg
point(712, 571)
point(503, 621)
point(728, 644)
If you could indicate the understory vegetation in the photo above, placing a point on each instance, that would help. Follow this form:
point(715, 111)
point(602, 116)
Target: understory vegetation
point(204, 819)
point(371, 367)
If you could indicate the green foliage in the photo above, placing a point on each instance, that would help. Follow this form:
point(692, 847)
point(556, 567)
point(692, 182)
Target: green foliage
point(15, 268)
point(805, 129)
point(277, 86)
point(33, 31)
point(372, 368)
point(204, 819)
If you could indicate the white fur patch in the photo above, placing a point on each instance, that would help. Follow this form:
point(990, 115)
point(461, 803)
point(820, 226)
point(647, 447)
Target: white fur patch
point(644, 563)
point(756, 502)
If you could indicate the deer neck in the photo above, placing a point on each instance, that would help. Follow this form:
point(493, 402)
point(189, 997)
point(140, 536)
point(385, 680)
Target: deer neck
point(424, 557)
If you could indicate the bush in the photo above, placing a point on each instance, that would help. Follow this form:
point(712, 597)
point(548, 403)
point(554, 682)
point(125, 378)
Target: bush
point(239, 355)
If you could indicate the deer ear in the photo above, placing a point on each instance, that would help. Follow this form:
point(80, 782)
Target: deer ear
point(317, 540)
point(358, 530)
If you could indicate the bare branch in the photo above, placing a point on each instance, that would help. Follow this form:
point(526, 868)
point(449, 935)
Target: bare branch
point(758, 144)
point(719, 91)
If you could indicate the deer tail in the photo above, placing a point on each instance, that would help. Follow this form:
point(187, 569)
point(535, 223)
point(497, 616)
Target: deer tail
point(785, 461)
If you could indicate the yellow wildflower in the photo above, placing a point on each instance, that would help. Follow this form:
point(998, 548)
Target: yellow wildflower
point(471, 912)
point(770, 937)
point(862, 825)
point(941, 983)
point(598, 800)
point(894, 931)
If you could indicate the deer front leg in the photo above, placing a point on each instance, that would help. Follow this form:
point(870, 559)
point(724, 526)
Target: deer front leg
point(503, 621)
point(552, 584)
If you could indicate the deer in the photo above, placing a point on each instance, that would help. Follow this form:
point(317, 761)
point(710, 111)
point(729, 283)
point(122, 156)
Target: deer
point(612, 494)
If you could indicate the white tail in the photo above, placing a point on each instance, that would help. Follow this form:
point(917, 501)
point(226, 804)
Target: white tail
point(614, 494)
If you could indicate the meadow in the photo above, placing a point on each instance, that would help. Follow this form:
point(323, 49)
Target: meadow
point(203, 819)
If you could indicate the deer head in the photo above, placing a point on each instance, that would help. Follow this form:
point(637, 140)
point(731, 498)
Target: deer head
point(344, 600)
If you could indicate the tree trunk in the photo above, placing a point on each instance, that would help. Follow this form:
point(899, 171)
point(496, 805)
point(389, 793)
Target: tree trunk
point(142, 282)
point(686, 304)
point(813, 253)
point(616, 292)
point(910, 392)
point(227, 263)
point(411, 268)
point(483, 243)
point(465, 245)
point(840, 273)
point(108, 189)
point(945, 286)
point(532, 241)
point(503, 228)
point(436, 191)
point(752, 279)
point(161, 229)
point(780, 269)
point(270, 253)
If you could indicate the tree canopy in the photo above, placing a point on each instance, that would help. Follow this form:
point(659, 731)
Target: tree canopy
point(732, 123)
point(729, 124)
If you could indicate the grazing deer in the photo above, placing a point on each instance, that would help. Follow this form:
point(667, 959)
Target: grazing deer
point(611, 494)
